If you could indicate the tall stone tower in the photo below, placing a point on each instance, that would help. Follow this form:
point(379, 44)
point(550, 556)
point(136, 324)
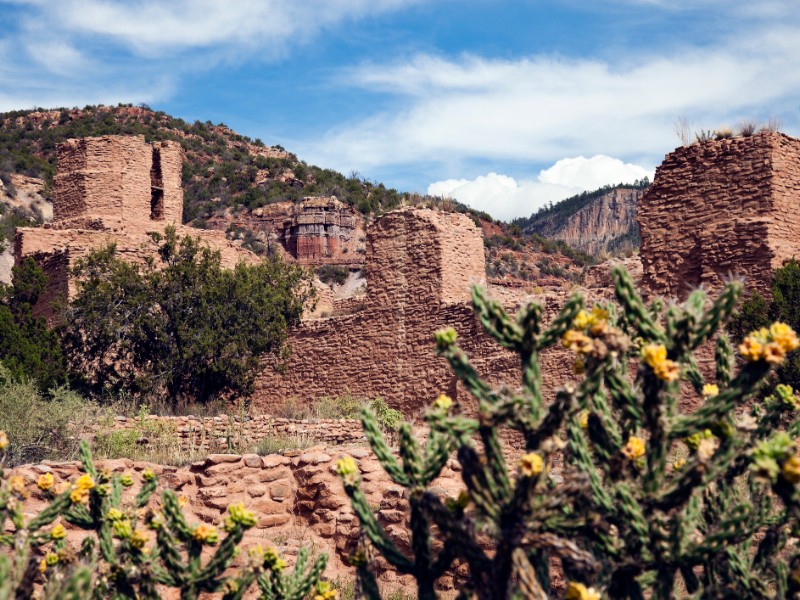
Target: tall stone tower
point(117, 182)
point(718, 209)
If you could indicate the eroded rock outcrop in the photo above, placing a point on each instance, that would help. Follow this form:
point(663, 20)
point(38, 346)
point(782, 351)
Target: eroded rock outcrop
point(605, 224)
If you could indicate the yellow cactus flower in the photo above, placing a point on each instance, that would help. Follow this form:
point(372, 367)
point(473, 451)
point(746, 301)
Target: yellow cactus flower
point(634, 448)
point(138, 538)
point(581, 320)
point(679, 464)
point(115, 514)
point(750, 349)
point(51, 558)
point(347, 469)
point(206, 534)
point(122, 529)
point(654, 354)
point(583, 419)
point(791, 470)
point(667, 370)
point(78, 496)
point(3, 440)
point(325, 591)
point(445, 338)
point(241, 516)
point(784, 336)
point(531, 464)
point(273, 561)
point(16, 483)
point(577, 341)
point(578, 591)
point(443, 403)
point(84, 482)
point(710, 390)
point(148, 475)
point(126, 480)
point(58, 532)
point(45, 482)
point(774, 353)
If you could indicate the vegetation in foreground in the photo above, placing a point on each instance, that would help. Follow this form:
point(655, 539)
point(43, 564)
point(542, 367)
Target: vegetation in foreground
point(135, 548)
point(620, 517)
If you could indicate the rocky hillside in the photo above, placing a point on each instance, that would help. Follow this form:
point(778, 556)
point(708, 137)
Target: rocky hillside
point(264, 197)
point(598, 223)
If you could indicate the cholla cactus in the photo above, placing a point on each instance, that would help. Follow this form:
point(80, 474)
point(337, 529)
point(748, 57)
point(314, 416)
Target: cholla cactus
point(418, 469)
point(624, 520)
point(132, 550)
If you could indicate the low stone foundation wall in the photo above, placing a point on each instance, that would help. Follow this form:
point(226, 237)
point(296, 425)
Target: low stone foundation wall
point(297, 497)
point(223, 432)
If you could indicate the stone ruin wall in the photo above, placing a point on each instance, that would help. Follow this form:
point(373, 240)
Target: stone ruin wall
point(118, 182)
point(721, 208)
point(420, 265)
point(221, 433)
point(297, 497)
point(112, 189)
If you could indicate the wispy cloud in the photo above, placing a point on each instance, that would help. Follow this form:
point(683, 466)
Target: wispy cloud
point(459, 114)
point(88, 51)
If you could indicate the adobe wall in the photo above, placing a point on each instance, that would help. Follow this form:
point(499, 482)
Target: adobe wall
point(420, 266)
point(115, 181)
point(721, 208)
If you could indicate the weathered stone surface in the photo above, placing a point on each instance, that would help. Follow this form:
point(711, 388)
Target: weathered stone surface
point(721, 208)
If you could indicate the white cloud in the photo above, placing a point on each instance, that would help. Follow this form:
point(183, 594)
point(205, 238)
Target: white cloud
point(505, 198)
point(76, 52)
point(455, 110)
point(592, 173)
point(150, 28)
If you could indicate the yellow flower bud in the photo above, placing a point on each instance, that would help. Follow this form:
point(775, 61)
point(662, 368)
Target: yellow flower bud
point(634, 448)
point(531, 464)
point(578, 591)
point(45, 482)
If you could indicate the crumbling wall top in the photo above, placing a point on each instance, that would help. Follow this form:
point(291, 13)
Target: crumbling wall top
point(718, 209)
point(423, 256)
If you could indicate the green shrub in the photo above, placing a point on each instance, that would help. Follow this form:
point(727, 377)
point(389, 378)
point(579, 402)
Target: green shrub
point(388, 418)
point(41, 426)
point(280, 442)
point(333, 274)
point(149, 440)
point(28, 347)
point(189, 331)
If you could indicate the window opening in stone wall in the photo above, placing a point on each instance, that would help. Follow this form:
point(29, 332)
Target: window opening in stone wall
point(156, 188)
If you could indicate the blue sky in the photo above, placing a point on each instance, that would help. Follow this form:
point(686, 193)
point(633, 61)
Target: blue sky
point(504, 104)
